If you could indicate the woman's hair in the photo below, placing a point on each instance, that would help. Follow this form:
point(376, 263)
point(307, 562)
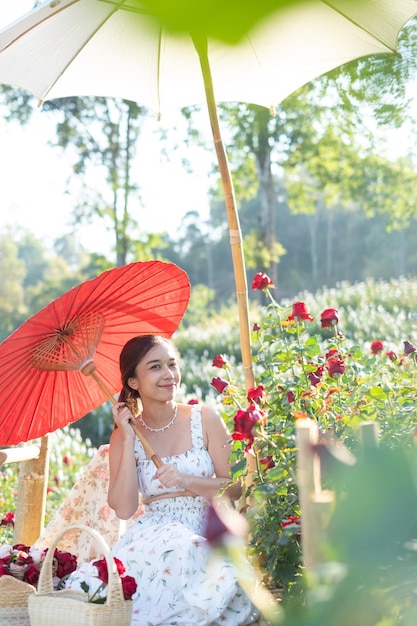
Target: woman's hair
point(131, 355)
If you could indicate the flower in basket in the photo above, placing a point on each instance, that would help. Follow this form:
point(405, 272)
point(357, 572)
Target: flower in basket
point(93, 578)
point(25, 562)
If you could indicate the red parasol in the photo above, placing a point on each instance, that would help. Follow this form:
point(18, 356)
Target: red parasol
point(46, 363)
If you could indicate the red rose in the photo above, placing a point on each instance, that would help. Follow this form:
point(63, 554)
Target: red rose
point(294, 519)
point(332, 352)
point(409, 348)
point(129, 587)
point(4, 571)
point(219, 384)
point(299, 312)
point(256, 328)
point(329, 318)
point(215, 529)
point(31, 574)
point(290, 397)
point(219, 361)
point(315, 377)
point(21, 547)
point(335, 367)
point(103, 574)
point(256, 394)
point(377, 346)
point(120, 567)
point(66, 459)
point(67, 563)
point(267, 462)
point(244, 422)
point(8, 519)
point(391, 355)
point(261, 281)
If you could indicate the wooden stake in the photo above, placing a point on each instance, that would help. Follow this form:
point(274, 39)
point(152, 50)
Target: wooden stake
point(315, 503)
point(31, 501)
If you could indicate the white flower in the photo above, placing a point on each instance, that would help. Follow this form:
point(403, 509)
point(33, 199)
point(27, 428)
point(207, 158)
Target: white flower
point(5, 550)
point(87, 574)
point(37, 554)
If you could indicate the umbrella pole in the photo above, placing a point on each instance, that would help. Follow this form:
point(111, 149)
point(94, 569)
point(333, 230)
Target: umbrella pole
point(89, 370)
point(200, 44)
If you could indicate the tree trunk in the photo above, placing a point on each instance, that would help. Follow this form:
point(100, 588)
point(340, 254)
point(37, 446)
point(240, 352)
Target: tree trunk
point(312, 221)
point(268, 211)
point(329, 246)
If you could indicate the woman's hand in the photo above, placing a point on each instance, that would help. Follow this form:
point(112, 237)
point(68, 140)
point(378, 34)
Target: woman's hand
point(169, 476)
point(122, 418)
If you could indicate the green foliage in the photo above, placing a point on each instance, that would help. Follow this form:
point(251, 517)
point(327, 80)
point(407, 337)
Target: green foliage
point(12, 275)
point(373, 309)
point(369, 386)
point(227, 22)
point(369, 577)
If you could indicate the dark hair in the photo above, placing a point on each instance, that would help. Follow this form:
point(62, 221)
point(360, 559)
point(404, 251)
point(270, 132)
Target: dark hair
point(131, 355)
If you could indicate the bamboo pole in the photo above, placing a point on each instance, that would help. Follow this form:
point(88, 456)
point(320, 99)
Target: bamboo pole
point(31, 501)
point(201, 46)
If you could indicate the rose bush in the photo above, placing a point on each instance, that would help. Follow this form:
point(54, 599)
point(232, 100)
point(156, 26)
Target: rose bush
point(307, 367)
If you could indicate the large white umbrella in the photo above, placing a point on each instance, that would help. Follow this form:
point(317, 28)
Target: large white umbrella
point(119, 49)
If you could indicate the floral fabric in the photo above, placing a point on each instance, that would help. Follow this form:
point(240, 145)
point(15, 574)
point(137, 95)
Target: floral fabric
point(181, 582)
point(86, 504)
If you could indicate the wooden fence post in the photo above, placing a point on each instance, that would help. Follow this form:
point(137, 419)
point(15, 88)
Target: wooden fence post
point(314, 501)
point(31, 497)
point(369, 433)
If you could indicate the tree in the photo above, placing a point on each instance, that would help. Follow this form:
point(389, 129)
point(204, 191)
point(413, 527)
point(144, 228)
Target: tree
point(319, 138)
point(12, 276)
point(103, 135)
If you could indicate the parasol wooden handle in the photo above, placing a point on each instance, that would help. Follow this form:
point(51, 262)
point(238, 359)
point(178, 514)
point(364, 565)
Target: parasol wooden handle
point(153, 456)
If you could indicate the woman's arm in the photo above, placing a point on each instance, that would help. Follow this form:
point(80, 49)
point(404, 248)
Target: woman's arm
point(217, 440)
point(123, 495)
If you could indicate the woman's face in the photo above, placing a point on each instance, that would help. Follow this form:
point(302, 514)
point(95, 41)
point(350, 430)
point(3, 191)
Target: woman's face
point(157, 375)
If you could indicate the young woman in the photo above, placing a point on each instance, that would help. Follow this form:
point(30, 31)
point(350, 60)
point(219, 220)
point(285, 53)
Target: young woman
point(164, 549)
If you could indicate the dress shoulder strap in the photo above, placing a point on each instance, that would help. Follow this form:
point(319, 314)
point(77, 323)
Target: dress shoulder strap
point(139, 450)
point(196, 427)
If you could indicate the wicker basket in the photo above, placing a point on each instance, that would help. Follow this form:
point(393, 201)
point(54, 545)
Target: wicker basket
point(14, 601)
point(70, 608)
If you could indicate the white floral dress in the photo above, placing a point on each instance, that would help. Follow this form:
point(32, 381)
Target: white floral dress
point(179, 583)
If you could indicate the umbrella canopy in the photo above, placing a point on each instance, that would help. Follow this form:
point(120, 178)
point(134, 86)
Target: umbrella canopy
point(47, 364)
point(104, 48)
point(119, 48)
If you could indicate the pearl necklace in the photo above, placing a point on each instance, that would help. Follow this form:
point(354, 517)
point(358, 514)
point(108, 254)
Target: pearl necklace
point(160, 430)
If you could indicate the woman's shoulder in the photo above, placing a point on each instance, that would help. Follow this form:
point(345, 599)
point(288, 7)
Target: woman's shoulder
point(206, 411)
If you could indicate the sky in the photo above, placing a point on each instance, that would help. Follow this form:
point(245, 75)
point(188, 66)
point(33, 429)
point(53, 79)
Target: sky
point(33, 177)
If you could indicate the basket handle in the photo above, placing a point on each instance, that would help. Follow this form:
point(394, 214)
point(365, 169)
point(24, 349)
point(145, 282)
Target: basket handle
point(115, 589)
